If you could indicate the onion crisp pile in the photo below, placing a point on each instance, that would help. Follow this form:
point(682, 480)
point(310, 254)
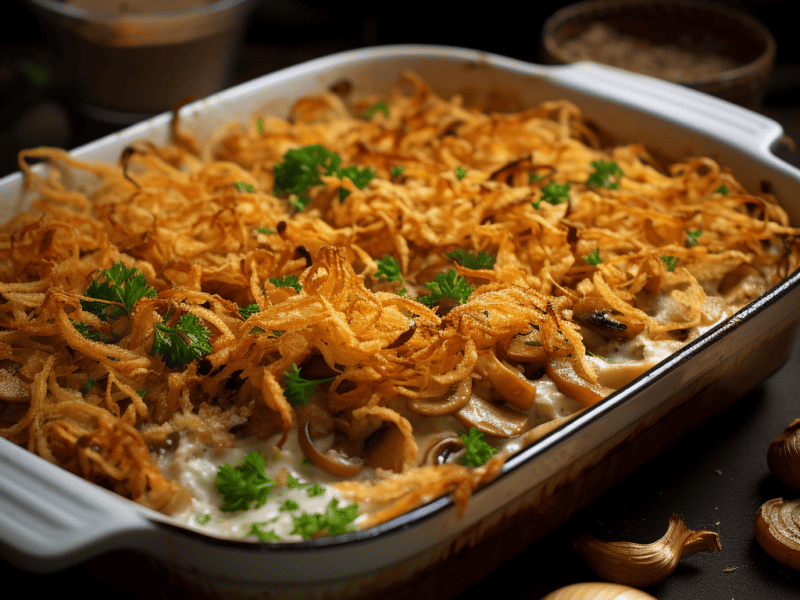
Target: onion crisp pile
point(439, 262)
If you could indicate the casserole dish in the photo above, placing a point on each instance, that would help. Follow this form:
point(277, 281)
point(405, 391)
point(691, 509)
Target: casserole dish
point(54, 519)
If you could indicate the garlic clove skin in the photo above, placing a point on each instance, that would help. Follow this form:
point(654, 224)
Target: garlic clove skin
point(783, 455)
point(777, 529)
point(640, 565)
point(598, 591)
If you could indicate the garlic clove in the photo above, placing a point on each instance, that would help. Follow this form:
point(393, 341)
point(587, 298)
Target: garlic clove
point(640, 565)
point(597, 591)
point(777, 529)
point(783, 455)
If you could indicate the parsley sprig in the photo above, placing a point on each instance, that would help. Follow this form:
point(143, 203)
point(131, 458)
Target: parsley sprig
point(447, 285)
point(117, 284)
point(671, 262)
point(244, 486)
point(298, 390)
point(183, 343)
point(691, 237)
point(605, 175)
point(593, 258)
point(287, 281)
point(478, 451)
point(553, 193)
point(334, 521)
point(482, 260)
point(301, 168)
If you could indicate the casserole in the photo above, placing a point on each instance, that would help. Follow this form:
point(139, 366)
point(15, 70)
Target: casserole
point(55, 519)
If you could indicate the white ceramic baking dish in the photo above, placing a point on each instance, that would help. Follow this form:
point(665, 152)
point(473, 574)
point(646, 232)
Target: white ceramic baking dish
point(52, 519)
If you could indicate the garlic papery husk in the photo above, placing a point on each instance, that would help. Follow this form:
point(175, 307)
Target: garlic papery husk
point(598, 591)
point(640, 565)
point(777, 529)
point(783, 455)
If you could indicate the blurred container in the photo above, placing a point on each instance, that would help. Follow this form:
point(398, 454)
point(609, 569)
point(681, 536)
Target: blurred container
point(702, 45)
point(132, 59)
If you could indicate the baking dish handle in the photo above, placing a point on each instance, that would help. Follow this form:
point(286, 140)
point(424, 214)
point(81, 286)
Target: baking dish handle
point(699, 112)
point(52, 519)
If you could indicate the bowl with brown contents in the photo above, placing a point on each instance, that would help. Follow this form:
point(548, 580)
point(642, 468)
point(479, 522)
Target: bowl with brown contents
point(705, 46)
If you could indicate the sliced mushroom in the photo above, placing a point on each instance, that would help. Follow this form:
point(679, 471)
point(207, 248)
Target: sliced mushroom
point(384, 449)
point(563, 374)
point(594, 313)
point(332, 462)
point(444, 449)
point(512, 385)
point(491, 418)
point(454, 401)
point(527, 350)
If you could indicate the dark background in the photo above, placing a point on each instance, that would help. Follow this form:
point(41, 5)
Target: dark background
point(717, 477)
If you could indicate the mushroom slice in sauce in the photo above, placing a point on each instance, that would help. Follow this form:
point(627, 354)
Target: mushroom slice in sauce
point(456, 400)
point(594, 313)
point(331, 462)
point(490, 418)
point(446, 448)
point(569, 383)
point(512, 385)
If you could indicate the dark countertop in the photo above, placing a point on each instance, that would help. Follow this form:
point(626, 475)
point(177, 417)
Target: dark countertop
point(716, 477)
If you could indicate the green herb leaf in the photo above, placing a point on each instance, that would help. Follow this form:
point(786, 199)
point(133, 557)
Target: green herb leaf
point(260, 125)
point(533, 177)
point(395, 172)
point(257, 530)
point(671, 262)
point(298, 390)
point(483, 260)
point(245, 486)
point(691, 237)
point(378, 107)
point(287, 281)
point(87, 331)
point(334, 521)
point(388, 270)
point(119, 284)
point(553, 193)
point(360, 177)
point(182, 344)
point(315, 489)
point(460, 172)
point(593, 258)
point(605, 175)
point(478, 452)
point(447, 285)
point(243, 186)
point(288, 505)
point(264, 230)
point(202, 518)
point(723, 189)
point(249, 310)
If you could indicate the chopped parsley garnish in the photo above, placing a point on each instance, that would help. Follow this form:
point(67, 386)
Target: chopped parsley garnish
point(260, 125)
point(334, 521)
point(460, 172)
point(593, 258)
point(249, 310)
point(671, 262)
point(257, 530)
point(87, 331)
point(245, 486)
point(378, 107)
point(182, 344)
point(312, 487)
point(477, 450)
point(202, 518)
point(315, 489)
point(300, 171)
point(483, 260)
point(447, 285)
point(265, 230)
point(287, 281)
point(119, 284)
point(298, 390)
point(554, 194)
point(533, 177)
point(607, 359)
point(691, 237)
point(723, 189)
point(388, 270)
point(605, 175)
point(288, 505)
point(243, 186)
point(396, 171)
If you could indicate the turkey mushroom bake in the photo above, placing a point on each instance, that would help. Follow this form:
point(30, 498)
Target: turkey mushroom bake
point(316, 323)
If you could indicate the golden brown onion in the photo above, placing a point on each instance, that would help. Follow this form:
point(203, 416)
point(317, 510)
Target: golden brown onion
point(777, 529)
point(783, 455)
